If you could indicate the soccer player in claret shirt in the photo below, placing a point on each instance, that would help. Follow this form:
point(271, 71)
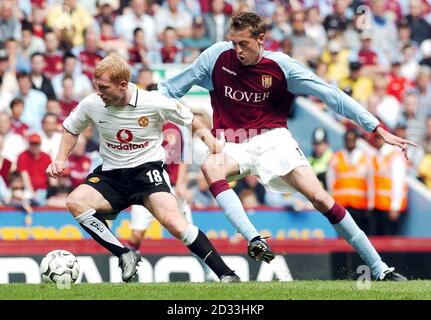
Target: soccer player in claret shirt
point(251, 91)
point(129, 121)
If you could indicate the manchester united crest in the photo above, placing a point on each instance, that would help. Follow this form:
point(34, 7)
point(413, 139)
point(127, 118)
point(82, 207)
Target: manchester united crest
point(266, 80)
point(143, 121)
point(94, 179)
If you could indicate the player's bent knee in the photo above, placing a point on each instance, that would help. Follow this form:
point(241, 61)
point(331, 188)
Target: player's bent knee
point(175, 227)
point(76, 203)
point(72, 203)
point(214, 163)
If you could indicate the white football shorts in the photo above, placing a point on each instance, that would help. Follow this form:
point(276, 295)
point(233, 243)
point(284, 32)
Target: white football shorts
point(141, 218)
point(269, 156)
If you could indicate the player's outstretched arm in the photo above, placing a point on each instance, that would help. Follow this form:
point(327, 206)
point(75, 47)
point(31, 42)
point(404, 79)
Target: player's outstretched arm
point(395, 140)
point(215, 145)
point(68, 142)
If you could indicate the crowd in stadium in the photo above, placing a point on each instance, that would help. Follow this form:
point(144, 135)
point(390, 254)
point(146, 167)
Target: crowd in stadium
point(377, 51)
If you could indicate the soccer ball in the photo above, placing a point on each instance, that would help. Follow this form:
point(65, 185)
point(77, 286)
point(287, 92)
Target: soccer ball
point(59, 266)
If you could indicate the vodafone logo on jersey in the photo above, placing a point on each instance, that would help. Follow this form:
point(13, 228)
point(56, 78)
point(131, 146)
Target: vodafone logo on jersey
point(125, 136)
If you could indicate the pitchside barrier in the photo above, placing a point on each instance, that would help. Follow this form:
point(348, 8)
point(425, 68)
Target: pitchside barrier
point(169, 260)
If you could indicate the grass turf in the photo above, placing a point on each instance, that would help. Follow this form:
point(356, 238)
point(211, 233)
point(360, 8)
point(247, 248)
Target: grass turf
point(297, 290)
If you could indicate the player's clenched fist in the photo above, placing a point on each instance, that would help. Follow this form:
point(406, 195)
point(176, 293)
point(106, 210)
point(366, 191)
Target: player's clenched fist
point(56, 168)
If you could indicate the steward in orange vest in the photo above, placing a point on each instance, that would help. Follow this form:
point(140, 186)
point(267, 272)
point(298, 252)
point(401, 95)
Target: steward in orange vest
point(350, 180)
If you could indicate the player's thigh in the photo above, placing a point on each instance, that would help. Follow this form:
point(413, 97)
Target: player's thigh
point(305, 181)
point(164, 207)
point(85, 197)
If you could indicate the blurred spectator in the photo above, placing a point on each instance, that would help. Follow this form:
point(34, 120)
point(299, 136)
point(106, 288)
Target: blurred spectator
point(350, 180)
point(10, 26)
point(410, 65)
point(390, 201)
point(67, 101)
point(5, 164)
point(144, 79)
point(286, 46)
point(34, 102)
point(37, 19)
point(252, 184)
point(53, 106)
point(321, 154)
point(32, 164)
point(109, 42)
point(171, 50)
point(397, 83)
point(351, 35)
point(296, 201)
point(423, 87)
point(304, 47)
point(425, 50)
point(107, 10)
point(337, 59)
point(314, 28)
point(415, 126)
point(420, 29)
point(49, 135)
point(281, 28)
point(79, 163)
point(30, 44)
point(248, 198)
point(13, 144)
point(426, 142)
point(337, 21)
point(384, 31)
point(17, 61)
point(217, 21)
point(70, 16)
point(91, 135)
point(388, 108)
point(20, 196)
point(415, 154)
point(175, 17)
point(57, 194)
point(424, 167)
point(134, 18)
point(17, 126)
point(90, 54)
point(361, 85)
point(8, 83)
point(81, 84)
point(404, 35)
point(202, 197)
point(197, 42)
point(139, 54)
point(53, 56)
point(38, 79)
point(366, 55)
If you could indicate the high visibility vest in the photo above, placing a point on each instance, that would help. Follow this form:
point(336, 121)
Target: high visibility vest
point(384, 183)
point(350, 187)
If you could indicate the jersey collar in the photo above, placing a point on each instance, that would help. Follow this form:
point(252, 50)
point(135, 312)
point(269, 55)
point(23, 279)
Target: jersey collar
point(134, 99)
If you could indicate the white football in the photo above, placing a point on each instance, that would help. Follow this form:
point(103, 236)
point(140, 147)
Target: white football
point(59, 266)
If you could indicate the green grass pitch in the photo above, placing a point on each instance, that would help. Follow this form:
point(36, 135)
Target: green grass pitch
point(295, 290)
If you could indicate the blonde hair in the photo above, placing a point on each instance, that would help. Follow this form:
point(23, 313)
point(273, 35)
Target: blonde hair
point(116, 67)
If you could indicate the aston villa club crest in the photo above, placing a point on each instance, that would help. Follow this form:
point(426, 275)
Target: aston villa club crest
point(266, 80)
point(143, 121)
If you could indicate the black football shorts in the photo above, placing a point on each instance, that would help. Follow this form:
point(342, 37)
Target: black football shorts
point(124, 187)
